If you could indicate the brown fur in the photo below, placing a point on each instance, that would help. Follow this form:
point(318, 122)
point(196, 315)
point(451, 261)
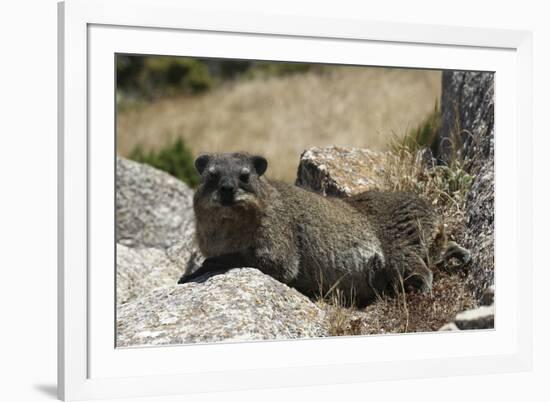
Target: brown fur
point(362, 246)
point(412, 235)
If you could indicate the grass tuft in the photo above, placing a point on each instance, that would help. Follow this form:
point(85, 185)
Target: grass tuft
point(444, 186)
point(425, 135)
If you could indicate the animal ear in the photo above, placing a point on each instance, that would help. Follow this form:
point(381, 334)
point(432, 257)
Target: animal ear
point(201, 162)
point(260, 164)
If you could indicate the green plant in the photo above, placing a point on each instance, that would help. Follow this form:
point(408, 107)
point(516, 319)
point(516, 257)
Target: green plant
point(144, 78)
point(154, 76)
point(453, 179)
point(174, 158)
point(426, 134)
point(264, 69)
point(166, 75)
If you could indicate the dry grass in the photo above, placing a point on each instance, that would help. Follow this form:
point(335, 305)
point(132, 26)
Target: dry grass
point(405, 312)
point(280, 117)
point(338, 316)
point(444, 187)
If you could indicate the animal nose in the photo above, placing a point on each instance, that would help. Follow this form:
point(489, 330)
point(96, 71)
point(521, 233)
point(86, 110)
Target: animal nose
point(227, 189)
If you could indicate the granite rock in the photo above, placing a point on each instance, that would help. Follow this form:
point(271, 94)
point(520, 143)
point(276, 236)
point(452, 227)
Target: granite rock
point(488, 296)
point(242, 304)
point(451, 326)
point(482, 317)
point(153, 208)
point(139, 271)
point(479, 318)
point(467, 107)
point(338, 171)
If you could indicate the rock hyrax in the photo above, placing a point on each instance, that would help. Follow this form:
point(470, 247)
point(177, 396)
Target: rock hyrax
point(362, 246)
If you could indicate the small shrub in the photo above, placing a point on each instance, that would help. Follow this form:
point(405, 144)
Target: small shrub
point(444, 185)
point(164, 75)
point(144, 78)
point(229, 69)
point(264, 69)
point(175, 159)
point(453, 179)
point(154, 76)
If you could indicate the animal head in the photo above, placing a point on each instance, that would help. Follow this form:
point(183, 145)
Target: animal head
point(230, 181)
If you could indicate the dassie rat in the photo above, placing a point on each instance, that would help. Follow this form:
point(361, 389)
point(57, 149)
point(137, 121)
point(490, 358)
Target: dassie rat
point(363, 246)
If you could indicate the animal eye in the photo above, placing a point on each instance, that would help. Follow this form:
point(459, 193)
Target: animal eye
point(244, 177)
point(213, 174)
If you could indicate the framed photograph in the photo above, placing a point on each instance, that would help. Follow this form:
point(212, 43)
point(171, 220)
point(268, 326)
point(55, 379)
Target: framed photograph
point(252, 201)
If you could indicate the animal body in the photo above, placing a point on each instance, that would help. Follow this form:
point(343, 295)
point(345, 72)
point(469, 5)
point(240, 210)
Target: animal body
point(362, 246)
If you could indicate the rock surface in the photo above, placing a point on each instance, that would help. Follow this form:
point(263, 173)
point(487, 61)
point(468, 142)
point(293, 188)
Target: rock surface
point(155, 230)
point(449, 327)
point(479, 318)
point(467, 107)
point(241, 304)
point(488, 296)
point(482, 317)
point(153, 209)
point(139, 271)
point(467, 111)
point(338, 171)
point(186, 254)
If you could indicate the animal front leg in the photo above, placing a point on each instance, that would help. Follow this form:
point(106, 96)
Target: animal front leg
point(420, 277)
point(214, 265)
point(453, 250)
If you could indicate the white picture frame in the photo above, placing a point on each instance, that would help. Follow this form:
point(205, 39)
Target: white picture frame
point(91, 32)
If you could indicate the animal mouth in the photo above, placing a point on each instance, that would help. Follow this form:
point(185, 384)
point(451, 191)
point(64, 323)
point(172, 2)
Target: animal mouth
point(227, 202)
point(236, 201)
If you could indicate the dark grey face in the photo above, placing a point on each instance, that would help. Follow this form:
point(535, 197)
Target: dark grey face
point(230, 179)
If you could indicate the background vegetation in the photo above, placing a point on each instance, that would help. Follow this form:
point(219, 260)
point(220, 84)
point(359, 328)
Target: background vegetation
point(277, 109)
point(147, 78)
point(175, 158)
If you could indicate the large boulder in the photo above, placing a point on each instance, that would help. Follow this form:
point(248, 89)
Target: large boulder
point(155, 230)
point(153, 209)
point(239, 305)
point(141, 270)
point(467, 116)
point(467, 107)
point(344, 172)
point(338, 171)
